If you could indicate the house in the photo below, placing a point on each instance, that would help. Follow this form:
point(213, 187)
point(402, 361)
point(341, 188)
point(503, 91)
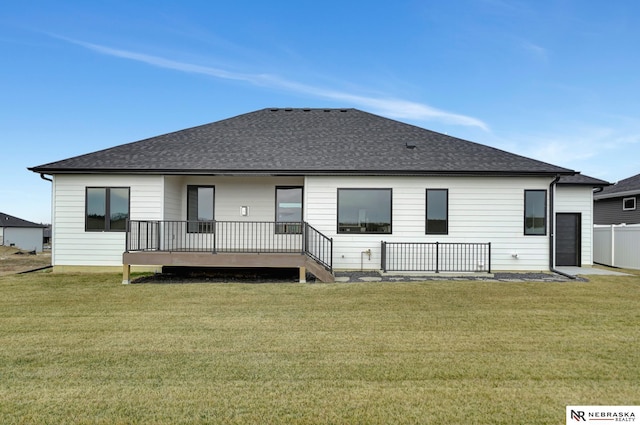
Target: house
point(618, 203)
point(316, 189)
point(46, 237)
point(20, 233)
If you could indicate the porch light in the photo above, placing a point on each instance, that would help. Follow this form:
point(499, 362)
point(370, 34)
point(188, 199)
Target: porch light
point(244, 211)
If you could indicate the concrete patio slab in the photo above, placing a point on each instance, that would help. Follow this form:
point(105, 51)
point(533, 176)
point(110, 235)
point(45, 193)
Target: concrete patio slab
point(575, 271)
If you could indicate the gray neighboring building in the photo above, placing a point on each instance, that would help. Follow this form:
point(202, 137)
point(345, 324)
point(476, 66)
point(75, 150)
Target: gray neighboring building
point(618, 203)
point(20, 233)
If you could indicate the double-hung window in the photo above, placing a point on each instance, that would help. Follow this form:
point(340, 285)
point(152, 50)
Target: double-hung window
point(106, 209)
point(437, 212)
point(288, 209)
point(200, 209)
point(364, 211)
point(535, 212)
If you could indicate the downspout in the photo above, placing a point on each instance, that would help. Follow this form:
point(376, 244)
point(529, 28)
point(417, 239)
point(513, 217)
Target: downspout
point(552, 192)
point(43, 177)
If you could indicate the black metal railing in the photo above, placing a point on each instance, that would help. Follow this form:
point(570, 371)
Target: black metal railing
point(229, 237)
point(318, 246)
point(436, 257)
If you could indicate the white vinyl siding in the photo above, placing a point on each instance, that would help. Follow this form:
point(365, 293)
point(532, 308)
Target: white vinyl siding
point(25, 238)
point(73, 245)
point(481, 209)
point(173, 187)
point(579, 199)
point(232, 193)
point(151, 198)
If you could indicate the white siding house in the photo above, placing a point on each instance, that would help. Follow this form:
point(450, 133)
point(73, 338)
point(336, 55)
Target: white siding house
point(20, 233)
point(481, 210)
point(264, 189)
point(72, 245)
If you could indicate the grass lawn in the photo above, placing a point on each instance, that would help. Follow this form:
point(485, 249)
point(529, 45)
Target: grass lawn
point(86, 349)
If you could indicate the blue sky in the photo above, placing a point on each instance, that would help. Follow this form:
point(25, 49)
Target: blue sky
point(554, 80)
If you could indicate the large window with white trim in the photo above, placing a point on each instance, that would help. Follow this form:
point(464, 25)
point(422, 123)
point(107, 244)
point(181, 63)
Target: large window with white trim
point(364, 211)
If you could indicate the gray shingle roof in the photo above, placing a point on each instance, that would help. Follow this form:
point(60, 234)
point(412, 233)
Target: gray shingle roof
point(628, 186)
point(304, 141)
point(582, 180)
point(7, 220)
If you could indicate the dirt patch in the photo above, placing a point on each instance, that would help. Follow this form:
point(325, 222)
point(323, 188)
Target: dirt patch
point(13, 260)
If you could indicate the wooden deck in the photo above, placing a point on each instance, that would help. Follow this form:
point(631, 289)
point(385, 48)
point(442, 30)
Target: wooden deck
point(209, 259)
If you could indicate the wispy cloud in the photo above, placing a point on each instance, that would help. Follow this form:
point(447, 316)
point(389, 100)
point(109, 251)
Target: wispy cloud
point(585, 144)
point(578, 147)
point(395, 108)
point(536, 51)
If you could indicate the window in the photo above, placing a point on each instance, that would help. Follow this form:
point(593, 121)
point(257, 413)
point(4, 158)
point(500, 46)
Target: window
point(437, 212)
point(107, 209)
point(288, 209)
point(364, 210)
point(535, 212)
point(200, 208)
point(629, 204)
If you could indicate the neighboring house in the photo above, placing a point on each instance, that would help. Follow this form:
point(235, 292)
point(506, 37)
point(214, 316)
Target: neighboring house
point(46, 237)
point(317, 189)
point(20, 233)
point(618, 203)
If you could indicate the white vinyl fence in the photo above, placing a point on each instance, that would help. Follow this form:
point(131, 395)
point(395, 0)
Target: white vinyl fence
point(617, 245)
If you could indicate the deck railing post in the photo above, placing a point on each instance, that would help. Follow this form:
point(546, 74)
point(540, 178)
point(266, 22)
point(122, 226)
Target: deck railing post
point(305, 237)
point(330, 259)
point(126, 236)
point(383, 256)
point(158, 241)
point(437, 257)
point(215, 237)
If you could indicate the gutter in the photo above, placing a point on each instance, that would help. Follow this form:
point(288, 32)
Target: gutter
point(43, 177)
point(552, 190)
point(347, 171)
point(633, 192)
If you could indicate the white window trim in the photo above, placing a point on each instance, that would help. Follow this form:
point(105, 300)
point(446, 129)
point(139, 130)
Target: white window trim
point(624, 201)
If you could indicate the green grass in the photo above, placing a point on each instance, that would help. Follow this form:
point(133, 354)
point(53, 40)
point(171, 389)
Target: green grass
point(86, 349)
